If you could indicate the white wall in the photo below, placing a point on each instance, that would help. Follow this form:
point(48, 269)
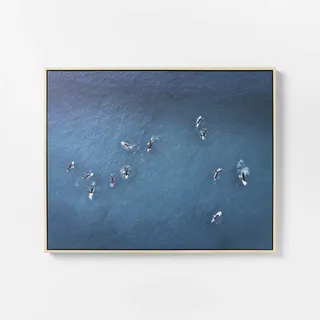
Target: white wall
point(279, 33)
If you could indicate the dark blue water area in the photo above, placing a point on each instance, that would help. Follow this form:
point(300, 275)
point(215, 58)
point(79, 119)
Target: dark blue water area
point(170, 199)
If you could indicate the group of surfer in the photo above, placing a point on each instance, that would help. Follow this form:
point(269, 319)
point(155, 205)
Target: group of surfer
point(126, 170)
point(203, 131)
point(242, 176)
point(242, 170)
point(87, 176)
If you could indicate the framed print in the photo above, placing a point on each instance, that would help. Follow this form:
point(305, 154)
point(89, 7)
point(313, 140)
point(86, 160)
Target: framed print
point(160, 160)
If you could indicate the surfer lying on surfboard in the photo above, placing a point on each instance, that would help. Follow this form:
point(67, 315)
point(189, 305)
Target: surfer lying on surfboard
point(112, 180)
point(216, 216)
point(92, 190)
point(149, 144)
point(216, 173)
point(243, 178)
point(70, 166)
point(87, 175)
point(243, 172)
point(198, 121)
point(126, 145)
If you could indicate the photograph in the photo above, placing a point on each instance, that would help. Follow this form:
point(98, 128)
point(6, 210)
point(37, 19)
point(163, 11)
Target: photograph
point(151, 160)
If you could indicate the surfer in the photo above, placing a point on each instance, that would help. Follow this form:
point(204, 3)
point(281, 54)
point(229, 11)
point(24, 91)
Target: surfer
point(70, 166)
point(216, 216)
point(126, 172)
point(243, 178)
point(216, 173)
point(87, 175)
point(203, 133)
point(92, 190)
point(126, 145)
point(149, 145)
point(243, 171)
point(112, 180)
point(198, 121)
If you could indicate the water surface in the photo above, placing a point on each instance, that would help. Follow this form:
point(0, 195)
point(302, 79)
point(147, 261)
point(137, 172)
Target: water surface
point(170, 198)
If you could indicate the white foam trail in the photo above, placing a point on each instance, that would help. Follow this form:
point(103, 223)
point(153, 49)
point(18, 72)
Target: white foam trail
point(240, 163)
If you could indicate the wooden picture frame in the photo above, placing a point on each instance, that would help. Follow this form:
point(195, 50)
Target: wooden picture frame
point(156, 250)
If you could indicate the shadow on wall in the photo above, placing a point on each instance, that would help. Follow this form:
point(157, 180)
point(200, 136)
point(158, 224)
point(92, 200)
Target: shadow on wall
point(280, 148)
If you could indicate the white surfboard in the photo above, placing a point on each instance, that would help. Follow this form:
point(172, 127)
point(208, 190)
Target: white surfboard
point(244, 182)
point(198, 121)
point(215, 174)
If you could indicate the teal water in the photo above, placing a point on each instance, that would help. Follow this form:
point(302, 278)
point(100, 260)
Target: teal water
point(169, 200)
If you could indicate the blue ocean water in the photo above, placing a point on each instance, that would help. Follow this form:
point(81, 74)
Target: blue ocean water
point(169, 200)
